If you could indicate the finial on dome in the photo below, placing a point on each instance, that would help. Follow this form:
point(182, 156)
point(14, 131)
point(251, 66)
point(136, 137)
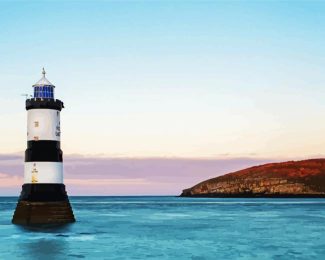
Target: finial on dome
point(43, 81)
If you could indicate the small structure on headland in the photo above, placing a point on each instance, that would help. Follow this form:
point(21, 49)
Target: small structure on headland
point(43, 199)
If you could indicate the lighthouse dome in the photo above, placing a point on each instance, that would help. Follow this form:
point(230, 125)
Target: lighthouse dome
point(43, 88)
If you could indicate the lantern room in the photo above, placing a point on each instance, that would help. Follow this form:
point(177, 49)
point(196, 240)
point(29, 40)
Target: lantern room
point(43, 88)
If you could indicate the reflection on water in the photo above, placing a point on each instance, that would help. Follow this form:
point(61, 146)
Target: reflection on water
point(43, 242)
point(40, 248)
point(48, 229)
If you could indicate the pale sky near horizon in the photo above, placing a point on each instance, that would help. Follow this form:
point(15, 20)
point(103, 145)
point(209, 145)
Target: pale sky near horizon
point(187, 79)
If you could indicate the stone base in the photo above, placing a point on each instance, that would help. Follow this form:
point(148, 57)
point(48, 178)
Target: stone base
point(40, 213)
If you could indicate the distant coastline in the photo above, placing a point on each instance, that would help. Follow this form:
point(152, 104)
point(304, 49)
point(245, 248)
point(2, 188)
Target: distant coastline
point(293, 179)
point(252, 195)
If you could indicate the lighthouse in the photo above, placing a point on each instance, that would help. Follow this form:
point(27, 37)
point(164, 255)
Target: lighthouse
point(43, 199)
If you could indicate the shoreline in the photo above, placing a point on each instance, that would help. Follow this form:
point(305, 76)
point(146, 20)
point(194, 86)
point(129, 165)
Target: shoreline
point(284, 196)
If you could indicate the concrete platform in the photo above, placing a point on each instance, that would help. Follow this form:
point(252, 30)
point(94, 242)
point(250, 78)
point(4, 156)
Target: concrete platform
point(36, 213)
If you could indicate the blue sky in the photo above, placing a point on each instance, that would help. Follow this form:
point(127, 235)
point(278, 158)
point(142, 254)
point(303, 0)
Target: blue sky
point(166, 78)
point(180, 79)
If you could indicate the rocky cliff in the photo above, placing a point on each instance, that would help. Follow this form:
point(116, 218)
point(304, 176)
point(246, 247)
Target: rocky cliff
point(288, 179)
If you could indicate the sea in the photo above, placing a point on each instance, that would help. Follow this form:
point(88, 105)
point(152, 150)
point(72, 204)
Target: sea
point(172, 228)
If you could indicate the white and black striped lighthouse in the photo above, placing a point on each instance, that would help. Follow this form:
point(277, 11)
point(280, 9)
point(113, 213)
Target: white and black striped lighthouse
point(43, 199)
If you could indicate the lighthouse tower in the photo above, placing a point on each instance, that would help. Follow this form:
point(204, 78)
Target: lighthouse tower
point(43, 199)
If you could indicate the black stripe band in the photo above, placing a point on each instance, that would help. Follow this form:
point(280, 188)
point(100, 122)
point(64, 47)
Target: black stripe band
point(38, 103)
point(43, 151)
point(43, 192)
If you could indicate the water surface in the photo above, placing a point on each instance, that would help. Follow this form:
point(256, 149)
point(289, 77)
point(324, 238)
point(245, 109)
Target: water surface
point(173, 228)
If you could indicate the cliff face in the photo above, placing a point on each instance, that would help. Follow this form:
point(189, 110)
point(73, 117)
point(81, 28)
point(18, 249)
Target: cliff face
point(287, 179)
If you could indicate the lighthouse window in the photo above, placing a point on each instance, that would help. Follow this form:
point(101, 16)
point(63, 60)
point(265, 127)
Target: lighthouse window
point(36, 92)
point(36, 123)
point(44, 92)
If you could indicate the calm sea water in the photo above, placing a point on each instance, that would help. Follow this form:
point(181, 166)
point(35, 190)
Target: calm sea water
point(173, 228)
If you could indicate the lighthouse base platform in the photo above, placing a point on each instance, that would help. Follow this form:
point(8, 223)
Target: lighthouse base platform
point(33, 213)
point(43, 204)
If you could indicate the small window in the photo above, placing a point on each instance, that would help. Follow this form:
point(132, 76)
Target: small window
point(36, 124)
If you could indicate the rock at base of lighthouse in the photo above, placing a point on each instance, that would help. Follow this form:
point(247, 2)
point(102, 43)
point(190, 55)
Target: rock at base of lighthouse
point(43, 204)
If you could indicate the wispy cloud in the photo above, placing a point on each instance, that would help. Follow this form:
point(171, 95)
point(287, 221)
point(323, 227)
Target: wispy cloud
point(105, 182)
point(10, 181)
point(126, 176)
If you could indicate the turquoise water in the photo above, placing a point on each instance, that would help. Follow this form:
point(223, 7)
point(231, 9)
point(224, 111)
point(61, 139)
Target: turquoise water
point(173, 228)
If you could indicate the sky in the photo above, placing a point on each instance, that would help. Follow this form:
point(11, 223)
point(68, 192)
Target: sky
point(165, 82)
